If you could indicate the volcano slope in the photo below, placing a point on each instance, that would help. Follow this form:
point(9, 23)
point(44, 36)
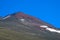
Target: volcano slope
point(20, 26)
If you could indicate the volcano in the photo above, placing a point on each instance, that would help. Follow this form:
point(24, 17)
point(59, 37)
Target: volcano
point(20, 26)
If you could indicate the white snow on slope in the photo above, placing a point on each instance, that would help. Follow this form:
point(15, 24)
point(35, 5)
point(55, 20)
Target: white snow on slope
point(22, 20)
point(6, 17)
point(43, 26)
point(50, 29)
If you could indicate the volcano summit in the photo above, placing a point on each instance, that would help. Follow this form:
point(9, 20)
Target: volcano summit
point(20, 26)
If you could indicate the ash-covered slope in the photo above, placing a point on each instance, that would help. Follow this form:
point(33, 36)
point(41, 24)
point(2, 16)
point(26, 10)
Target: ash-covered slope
point(22, 23)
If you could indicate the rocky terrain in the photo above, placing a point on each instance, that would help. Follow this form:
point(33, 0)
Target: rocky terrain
point(20, 26)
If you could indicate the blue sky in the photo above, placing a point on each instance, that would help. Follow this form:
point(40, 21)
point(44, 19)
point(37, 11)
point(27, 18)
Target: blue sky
point(47, 10)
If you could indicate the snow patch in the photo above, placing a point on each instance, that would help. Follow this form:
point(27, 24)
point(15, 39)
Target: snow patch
point(6, 17)
point(53, 30)
point(22, 20)
point(50, 29)
point(44, 26)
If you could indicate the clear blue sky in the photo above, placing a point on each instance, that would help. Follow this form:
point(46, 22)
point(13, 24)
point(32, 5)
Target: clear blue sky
point(47, 10)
